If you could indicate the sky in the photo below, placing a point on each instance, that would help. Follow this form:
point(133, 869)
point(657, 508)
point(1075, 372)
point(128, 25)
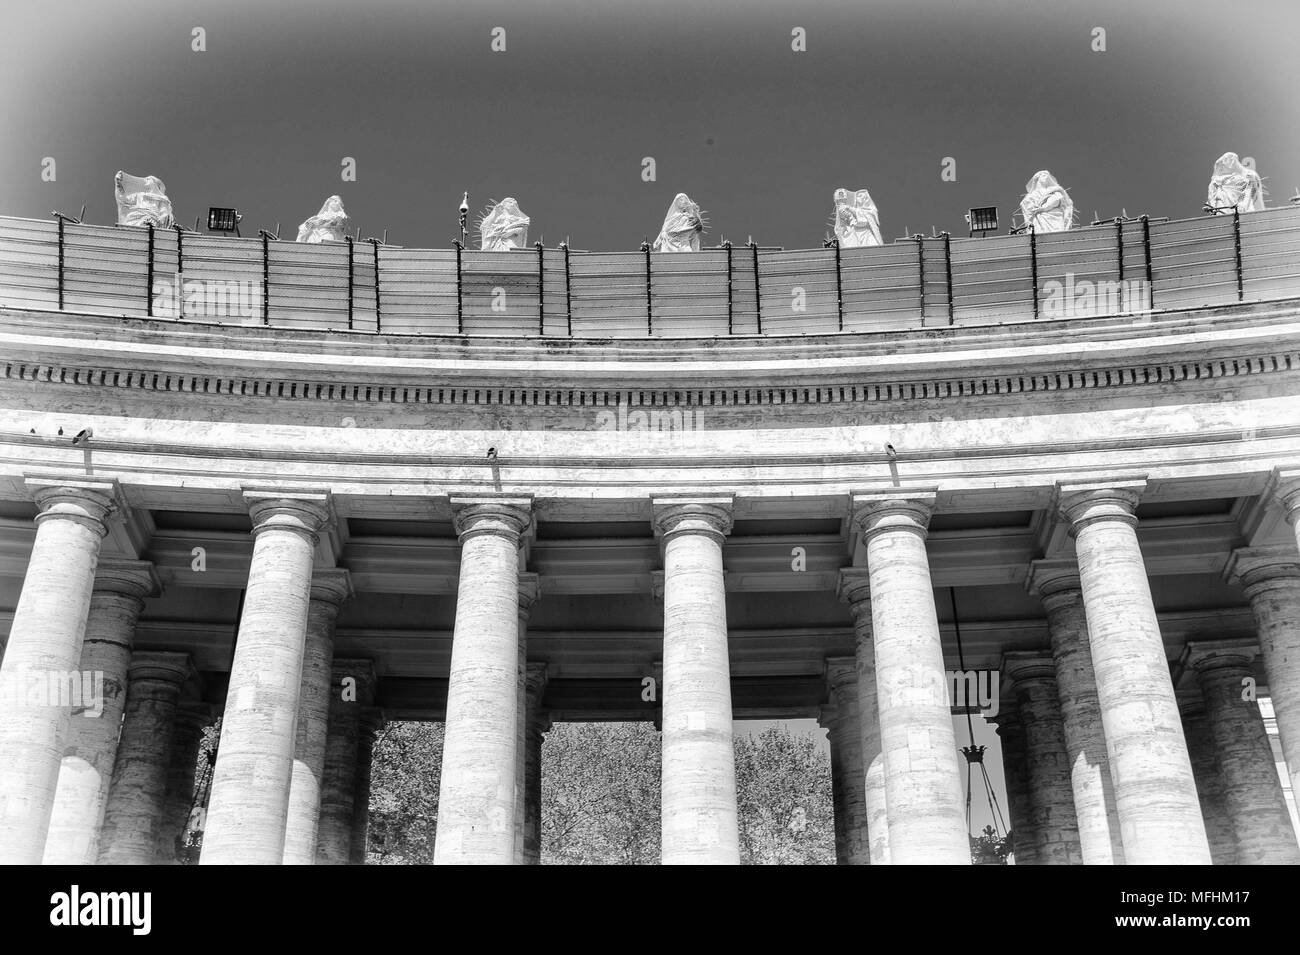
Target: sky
point(758, 134)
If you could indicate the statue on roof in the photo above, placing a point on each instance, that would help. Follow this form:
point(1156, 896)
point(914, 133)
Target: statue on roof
point(1234, 186)
point(857, 221)
point(1047, 207)
point(503, 227)
point(328, 225)
point(142, 201)
point(682, 227)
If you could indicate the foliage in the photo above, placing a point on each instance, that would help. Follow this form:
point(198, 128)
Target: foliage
point(783, 790)
point(988, 848)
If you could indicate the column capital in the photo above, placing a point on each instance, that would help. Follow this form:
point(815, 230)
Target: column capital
point(331, 585)
point(530, 591)
point(854, 589)
point(898, 509)
point(1205, 656)
point(1284, 484)
point(84, 501)
point(828, 717)
point(304, 512)
point(1049, 578)
point(507, 517)
point(657, 584)
point(1255, 567)
point(1191, 703)
point(135, 579)
point(360, 670)
point(711, 516)
point(194, 714)
point(1086, 502)
point(536, 675)
point(1024, 667)
point(842, 675)
point(158, 670)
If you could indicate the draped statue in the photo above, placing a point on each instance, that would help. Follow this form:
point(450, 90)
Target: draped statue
point(1234, 186)
point(682, 227)
point(328, 225)
point(1046, 206)
point(857, 221)
point(142, 201)
point(503, 227)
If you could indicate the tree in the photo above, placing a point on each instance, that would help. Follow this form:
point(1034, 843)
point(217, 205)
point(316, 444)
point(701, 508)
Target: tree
point(988, 848)
point(404, 777)
point(783, 791)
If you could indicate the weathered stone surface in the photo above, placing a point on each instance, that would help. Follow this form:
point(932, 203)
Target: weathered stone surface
point(1155, 793)
point(843, 722)
point(538, 723)
point(854, 588)
point(352, 696)
point(1025, 840)
point(1209, 783)
point(529, 591)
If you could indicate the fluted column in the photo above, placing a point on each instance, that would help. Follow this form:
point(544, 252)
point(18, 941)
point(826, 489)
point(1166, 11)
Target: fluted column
point(1209, 782)
point(372, 721)
point(41, 658)
point(87, 767)
point(1252, 793)
point(1020, 810)
point(539, 721)
point(476, 804)
point(138, 792)
point(698, 803)
point(329, 589)
point(922, 780)
point(1155, 793)
point(854, 589)
point(249, 806)
point(529, 591)
point(1271, 579)
point(1057, 584)
point(191, 719)
point(352, 694)
point(843, 722)
point(1051, 796)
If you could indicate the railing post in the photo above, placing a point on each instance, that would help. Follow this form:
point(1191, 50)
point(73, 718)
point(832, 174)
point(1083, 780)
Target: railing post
point(727, 246)
point(649, 304)
point(920, 264)
point(351, 282)
point(1033, 269)
point(1146, 251)
point(180, 272)
point(1236, 240)
point(266, 279)
point(947, 266)
point(839, 285)
point(60, 263)
point(758, 297)
point(1119, 245)
point(541, 291)
point(460, 304)
point(148, 274)
point(374, 245)
point(568, 296)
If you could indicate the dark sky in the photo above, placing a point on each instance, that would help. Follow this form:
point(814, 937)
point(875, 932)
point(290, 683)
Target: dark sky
point(757, 134)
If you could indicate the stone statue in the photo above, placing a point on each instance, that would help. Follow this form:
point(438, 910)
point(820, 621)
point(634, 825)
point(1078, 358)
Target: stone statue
point(142, 201)
point(1046, 206)
point(857, 221)
point(1234, 185)
point(503, 227)
point(682, 227)
point(328, 225)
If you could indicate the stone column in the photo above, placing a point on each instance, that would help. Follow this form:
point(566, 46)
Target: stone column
point(138, 792)
point(352, 693)
point(539, 722)
point(41, 658)
point(854, 589)
point(1155, 793)
point(191, 720)
point(1271, 579)
point(698, 803)
point(372, 721)
point(528, 593)
point(115, 603)
point(1051, 796)
point(476, 803)
point(843, 722)
point(1252, 792)
point(329, 588)
point(249, 806)
point(1020, 811)
point(1209, 783)
point(922, 780)
point(1057, 584)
